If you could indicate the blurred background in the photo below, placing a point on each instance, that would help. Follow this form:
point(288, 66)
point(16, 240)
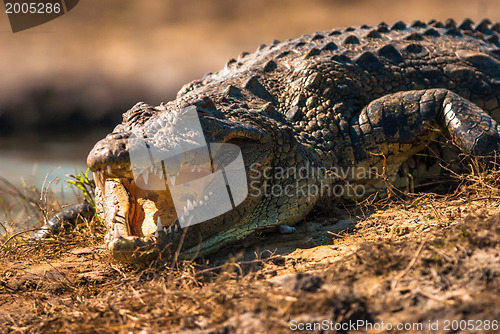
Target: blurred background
point(65, 84)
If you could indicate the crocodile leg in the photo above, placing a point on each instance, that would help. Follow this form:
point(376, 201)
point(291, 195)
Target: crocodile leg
point(470, 127)
point(394, 127)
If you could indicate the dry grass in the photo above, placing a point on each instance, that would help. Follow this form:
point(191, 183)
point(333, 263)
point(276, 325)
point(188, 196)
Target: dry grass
point(22, 207)
point(429, 257)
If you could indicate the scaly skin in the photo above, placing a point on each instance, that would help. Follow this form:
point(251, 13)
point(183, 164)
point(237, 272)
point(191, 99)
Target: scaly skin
point(364, 98)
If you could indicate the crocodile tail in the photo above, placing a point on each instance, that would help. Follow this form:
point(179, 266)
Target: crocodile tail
point(67, 218)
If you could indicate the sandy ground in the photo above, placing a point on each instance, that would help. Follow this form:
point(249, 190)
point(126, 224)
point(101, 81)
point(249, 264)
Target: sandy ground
point(430, 263)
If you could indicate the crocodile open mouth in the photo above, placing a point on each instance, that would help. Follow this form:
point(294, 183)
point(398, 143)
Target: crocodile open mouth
point(144, 208)
point(133, 211)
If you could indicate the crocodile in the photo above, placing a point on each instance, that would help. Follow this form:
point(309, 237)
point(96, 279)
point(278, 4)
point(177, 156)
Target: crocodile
point(358, 105)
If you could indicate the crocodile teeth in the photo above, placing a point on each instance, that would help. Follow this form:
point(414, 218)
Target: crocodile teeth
point(99, 180)
point(200, 203)
point(172, 179)
point(109, 169)
point(186, 212)
point(116, 233)
point(193, 169)
point(190, 205)
point(159, 225)
point(205, 198)
point(195, 204)
point(210, 193)
point(182, 220)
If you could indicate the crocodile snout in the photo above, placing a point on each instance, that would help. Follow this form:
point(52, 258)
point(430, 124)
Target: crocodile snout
point(111, 155)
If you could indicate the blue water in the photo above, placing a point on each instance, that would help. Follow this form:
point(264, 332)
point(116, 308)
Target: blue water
point(34, 167)
point(44, 167)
